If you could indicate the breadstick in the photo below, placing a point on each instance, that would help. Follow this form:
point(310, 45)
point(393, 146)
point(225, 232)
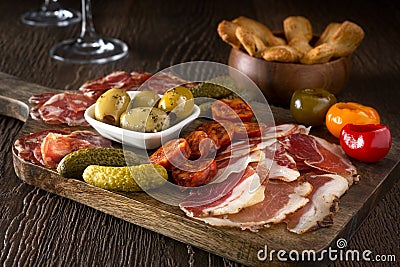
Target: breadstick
point(298, 32)
point(320, 54)
point(250, 42)
point(281, 53)
point(226, 30)
point(342, 42)
point(328, 32)
point(346, 39)
point(260, 30)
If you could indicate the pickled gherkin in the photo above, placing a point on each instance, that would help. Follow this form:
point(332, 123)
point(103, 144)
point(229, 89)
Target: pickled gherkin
point(73, 164)
point(126, 178)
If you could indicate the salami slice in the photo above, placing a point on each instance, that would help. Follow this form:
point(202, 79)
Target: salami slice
point(48, 147)
point(27, 145)
point(117, 79)
point(162, 82)
point(64, 108)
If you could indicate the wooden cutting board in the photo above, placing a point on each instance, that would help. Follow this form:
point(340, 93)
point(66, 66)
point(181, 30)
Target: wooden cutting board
point(235, 244)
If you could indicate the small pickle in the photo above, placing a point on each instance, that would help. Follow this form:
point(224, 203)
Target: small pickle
point(126, 178)
point(73, 164)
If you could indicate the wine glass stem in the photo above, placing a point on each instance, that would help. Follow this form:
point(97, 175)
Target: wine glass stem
point(88, 33)
point(50, 5)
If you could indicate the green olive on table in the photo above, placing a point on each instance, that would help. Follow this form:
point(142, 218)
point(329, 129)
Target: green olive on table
point(179, 101)
point(145, 120)
point(110, 105)
point(145, 99)
point(309, 106)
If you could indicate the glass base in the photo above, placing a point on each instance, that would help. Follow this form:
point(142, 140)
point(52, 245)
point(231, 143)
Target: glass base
point(60, 17)
point(89, 52)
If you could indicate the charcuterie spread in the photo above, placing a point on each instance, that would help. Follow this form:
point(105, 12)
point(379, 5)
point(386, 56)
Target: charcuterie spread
point(236, 171)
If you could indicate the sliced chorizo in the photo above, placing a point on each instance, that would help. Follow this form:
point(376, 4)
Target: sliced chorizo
point(171, 153)
point(206, 170)
point(200, 144)
point(231, 109)
point(220, 132)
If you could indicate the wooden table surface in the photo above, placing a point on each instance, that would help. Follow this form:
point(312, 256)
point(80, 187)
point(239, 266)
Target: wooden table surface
point(42, 229)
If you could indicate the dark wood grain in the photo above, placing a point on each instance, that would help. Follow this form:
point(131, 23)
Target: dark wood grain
point(43, 229)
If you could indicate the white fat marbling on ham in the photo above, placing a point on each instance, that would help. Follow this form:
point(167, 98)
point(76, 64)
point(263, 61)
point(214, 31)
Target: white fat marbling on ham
point(319, 154)
point(237, 194)
point(327, 189)
point(245, 194)
point(280, 199)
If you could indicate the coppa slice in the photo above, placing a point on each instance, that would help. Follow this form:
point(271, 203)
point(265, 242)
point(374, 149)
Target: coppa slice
point(28, 146)
point(324, 198)
point(48, 147)
point(280, 199)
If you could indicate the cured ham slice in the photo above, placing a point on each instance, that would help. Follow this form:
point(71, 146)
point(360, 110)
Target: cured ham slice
point(323, 204)
point(246, 191)
point(280, 199)
point(318, 153)
point(116, 79)
point(283, 166)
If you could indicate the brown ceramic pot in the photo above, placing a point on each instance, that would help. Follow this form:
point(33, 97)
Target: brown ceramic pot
point(279, 80)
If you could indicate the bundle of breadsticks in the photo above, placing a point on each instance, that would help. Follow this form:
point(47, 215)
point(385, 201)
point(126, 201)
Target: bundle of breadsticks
point(337, 40)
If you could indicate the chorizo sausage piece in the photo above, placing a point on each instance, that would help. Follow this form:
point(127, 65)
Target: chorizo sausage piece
point(232, 110)
point(171, 153)
point(200, 144)
point(201, 177)
point(220, 132)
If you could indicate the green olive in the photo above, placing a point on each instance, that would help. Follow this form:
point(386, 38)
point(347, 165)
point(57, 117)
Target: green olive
point(110, 105)
point(145, 119)
point(145, 99)
point(179, 101)
point(309, 106)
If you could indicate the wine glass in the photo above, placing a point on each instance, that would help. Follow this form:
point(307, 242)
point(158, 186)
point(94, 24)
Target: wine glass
point(89, 47)
point(51, 14)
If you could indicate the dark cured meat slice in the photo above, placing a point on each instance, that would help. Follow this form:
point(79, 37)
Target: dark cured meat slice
point(68, 108)
point(55, 146)
point(30, 147)
point(37, 101)
point(162, 82)
point(27, 145)
point(117, 79)
point(318, 153)
point(92, 138)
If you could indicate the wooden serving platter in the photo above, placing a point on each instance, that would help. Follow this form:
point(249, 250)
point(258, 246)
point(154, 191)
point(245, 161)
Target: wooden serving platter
point(234, 244)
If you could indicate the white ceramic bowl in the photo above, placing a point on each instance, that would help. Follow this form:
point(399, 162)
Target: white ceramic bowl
point(138, 139)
